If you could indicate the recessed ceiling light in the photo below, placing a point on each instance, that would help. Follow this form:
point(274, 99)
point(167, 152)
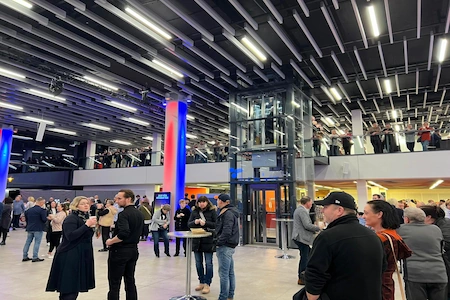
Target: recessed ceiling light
point(12, 74)
point(45, 95)
point(148, 138)
point(337, 96)
point(252, 47)
point(55, 148)
point(96, 126)
point(387, 86)
point(136, 121)
point(120, 142)
point(442, 50)
point(121, 106)
point(33, 119)
point(373, 20)
point(63, 131)
point(100, 83)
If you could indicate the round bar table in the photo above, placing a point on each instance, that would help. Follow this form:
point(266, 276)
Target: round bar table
point(283, 222)
point(188, 235)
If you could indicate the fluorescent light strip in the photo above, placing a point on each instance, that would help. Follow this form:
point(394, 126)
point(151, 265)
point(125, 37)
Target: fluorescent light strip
point(189, 117)
point(165, 66)
point(417, 81)
point(12, 167)
point(147, 23)
point(336, 4)
point(148, 138)
point(136, 121)
point(263, 44)
point(243, 48)
point(100, 83)
point(91, 158)
point(121, 106)
point(55, 148)
point(95, 126)
point(339, 66)
point(120, 142)
point(442, 50)
point(239, 107)
point(373, 21)
point(24, 3)
point(376, 184)
point(63, 131)
point(70, 162)
point(335, 93)
point(387, 86)
point(8, 73)
point(394, 114)
point(307, 33)
point(374, 118)
point(33, 119)
point(46, 95)
point(392, 102)
point(10, 106)
point(361, 66)
point(191, 136)
point(327, 92)
point(434, 185)
point(19, 137)
point(67, 155)
point(430, 51)
point(225, 130)
point(253, 48)
point(408, 102)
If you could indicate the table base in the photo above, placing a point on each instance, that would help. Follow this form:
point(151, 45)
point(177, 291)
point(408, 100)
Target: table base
point(285, 256)
point(188, 297)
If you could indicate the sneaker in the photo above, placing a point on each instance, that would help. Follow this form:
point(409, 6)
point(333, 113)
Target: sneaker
point(200, 287)
point(48, 244)
point(26, 259)
point(206, 289)
point(37, 260)
point(50, 256)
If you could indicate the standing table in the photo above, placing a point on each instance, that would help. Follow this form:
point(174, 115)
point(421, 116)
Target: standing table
point(283, 222)
point(188, 236)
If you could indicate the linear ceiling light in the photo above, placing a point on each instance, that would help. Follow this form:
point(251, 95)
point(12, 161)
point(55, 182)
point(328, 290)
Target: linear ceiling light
point(189, 117)
point(425, 96)
point(33, 119)
point(120, 142)
point(96, 126)
point(46, 95)
point(438, 77)
point(442, 50)
point(100, 83)
point(394, 114)
point(165, 66)
point(121, 106)
point(376, 184)
point(136, 121)
point(337, 96)
point(63, 131)
point(147, 23)
point(55, 148)
point(225, 130)
point(408, 102)
point(20, 137)
point(148, 138)
point(329, 121)
point(24, 3)
point(419, 17)
point(373, 21)
point(387, 86)
point(70, 162)
point(191, 136)
point(12, 74)
point(255, 50)
point(10, 106)
point(362, 107)
point(436, 184)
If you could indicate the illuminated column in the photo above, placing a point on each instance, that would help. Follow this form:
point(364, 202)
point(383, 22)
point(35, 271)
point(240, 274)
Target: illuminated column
point(175, 150)
point(5, 152)
point(357, 131)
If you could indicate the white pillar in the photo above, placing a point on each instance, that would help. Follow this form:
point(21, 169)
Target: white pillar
point(90, 154)
point(311, 190)
point(156, 149)
point(357, 131)
point(361, 189)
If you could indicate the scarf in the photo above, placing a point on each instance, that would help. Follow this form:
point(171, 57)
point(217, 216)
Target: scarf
point(83, 215)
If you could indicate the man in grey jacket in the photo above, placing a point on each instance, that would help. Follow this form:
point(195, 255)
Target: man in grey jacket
point(303, 233)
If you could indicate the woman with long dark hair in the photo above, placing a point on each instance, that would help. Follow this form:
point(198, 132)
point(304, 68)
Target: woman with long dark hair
point(56, 222)
point(382, 217)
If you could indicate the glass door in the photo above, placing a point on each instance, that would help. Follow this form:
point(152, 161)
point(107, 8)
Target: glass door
point(265, 199)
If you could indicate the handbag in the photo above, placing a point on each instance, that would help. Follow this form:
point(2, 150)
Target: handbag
point(147, 221)
point(400, 281)
point(301, 295)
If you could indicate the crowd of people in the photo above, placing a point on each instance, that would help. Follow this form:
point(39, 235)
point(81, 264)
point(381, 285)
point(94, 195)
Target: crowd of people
point(383, 140)
point(70, 226)
point(356, 259)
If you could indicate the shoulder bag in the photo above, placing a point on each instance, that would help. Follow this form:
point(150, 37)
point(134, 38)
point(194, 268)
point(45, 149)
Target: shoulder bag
point(400, 281)
point(147, 221)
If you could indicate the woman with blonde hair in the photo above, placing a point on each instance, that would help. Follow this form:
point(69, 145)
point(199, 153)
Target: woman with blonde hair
point(106, 221)
point(31, 202)
point(72, 269)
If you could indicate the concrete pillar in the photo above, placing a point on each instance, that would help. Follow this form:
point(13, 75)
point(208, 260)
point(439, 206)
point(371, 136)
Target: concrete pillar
point(156, 149)
point(363, 197)
point(5, 152)
point(90, 154)
point(175, 150)
point(357, 131)
point(310, 189)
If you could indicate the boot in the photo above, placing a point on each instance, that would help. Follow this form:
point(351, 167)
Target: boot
point(199, 287)
point(206, 289)
point(300, 282)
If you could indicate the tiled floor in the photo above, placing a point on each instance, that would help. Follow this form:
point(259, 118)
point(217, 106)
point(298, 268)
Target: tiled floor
point(259, 275)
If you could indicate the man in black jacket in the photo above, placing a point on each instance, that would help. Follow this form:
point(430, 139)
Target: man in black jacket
point(36, 218)
point(347, 259)
point(123, 253)
point(227, 230)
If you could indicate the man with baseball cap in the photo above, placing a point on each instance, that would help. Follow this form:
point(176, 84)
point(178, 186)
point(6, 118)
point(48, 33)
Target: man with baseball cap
point(227, 230)
point(347, 259)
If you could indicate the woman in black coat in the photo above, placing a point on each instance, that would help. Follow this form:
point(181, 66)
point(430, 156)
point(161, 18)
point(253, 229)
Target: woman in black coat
point(72, 269)
point(204, 215)
point(182, 215)
point(6, 219)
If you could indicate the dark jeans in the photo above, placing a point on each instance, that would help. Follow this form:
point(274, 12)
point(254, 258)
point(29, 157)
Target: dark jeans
point(71, 296)
point(160, 233)
point(55, 239)
point(177, 245)
point(145, 231)
point(122, 263)
point(204, 277)
point(376, 143)
point(15, 221)
point(105, 235)
point(4, 233)
point(334, 150)
point(304, 254)
point(48, 233)
point(410, 146)
point(430, 291)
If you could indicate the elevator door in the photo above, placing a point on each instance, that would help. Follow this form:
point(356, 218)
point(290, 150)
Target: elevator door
point(264, 206)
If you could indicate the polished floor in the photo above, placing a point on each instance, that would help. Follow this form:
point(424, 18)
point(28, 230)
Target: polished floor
point(259, 275)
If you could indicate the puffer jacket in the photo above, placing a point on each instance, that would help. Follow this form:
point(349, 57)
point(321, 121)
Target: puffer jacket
point(206, 244)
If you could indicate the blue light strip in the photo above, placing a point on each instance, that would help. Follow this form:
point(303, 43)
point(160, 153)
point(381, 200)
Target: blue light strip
point(181, 152)
point(5, 152)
